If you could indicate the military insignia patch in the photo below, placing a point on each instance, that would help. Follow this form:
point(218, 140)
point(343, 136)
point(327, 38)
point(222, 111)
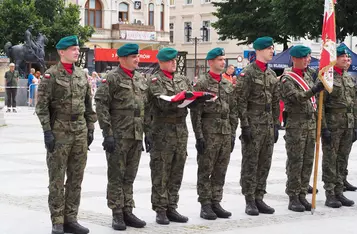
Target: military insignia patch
point(47, 76)
point(153, 80)
point(284, 80)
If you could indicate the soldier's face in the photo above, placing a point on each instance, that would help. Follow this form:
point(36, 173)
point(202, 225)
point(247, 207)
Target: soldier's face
point(130, 62)
point(217, 64)
point(266, 54)
point(308, 59)
point(70, 55)
point(349, 61)
point(301, 63)
point(169, 66)
point(342, 61)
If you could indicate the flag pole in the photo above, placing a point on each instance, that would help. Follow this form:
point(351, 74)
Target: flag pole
point(317, 151)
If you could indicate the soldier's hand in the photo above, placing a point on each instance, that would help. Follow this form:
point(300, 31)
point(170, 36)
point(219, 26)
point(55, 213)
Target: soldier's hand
point(233, 141)
point(276, 133)
point(90, 136)
point(326, 136)
point(205, 97)
point(109, 144)
point(246, 134)
point(317, 88)
point(354, 138)
point(148, 143)
point(49, 141)
point(200, 145)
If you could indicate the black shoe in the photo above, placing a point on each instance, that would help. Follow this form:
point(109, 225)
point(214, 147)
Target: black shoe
point(14, 110)
point(344, 200)
point(251, 208)
point(348, 186)
point(295, 204)
point(161, 217)
point(332, 202)
point(263, 207)
point(220, 212)
point(118, 220)
point(175, 216)
point(309, 190)
point(75, 227)
point(8, 110)
point(305, 203)
point(207, 212)
point(132, 221)
point(57, 229)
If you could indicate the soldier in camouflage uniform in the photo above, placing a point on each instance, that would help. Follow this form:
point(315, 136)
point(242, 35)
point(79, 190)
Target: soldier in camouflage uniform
point(65, 111)
point(339, 130)
point(258, 104)
point(120, 103)
point(214, 124)
point(167, 140)
point(298, 93)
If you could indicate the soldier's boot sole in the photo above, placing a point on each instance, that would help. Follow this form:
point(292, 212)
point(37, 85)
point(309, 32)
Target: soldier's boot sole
point(296, 208)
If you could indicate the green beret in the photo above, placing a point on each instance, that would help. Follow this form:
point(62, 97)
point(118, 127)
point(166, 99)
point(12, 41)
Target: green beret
point(66, 42)
point(262, 43)
point(300, 51)
point(166, 54)
point(214, 53)
point(341, 50)
point(128, 49)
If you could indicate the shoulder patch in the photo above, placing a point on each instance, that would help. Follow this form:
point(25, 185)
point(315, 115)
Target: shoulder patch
point(153, 80)
point(104, 81)
point(47, 76)
point(242, 74)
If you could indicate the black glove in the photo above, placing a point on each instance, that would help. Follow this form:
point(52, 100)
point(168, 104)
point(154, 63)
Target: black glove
point(233, 141)
point(148, 143)
point(317, 88)
point(90, 136)
point(354, 138)
point(276, 133)
point(49, 141)
point(246, 134)
point(326, 136)
point(205, 97)
point(200, 145)
point(109, 144)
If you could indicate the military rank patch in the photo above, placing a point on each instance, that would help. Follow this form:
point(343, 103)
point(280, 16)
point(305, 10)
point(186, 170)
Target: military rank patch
point(47, 76)
point(242, 74)
point(153, 80)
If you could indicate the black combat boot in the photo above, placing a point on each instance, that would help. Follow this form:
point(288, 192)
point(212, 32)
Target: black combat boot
point(348, 187)
point(295, 204)
point(132, 221)
point(207, 212)
point(263, 207)
point(118, 220)
point(309, 190)
point(304, 202)
point(57, 229)
point(332, 202)
point(161, 217)
point(251, 207)
point(75, 227)
point(220, 212)
point(175, 216)
point(344, 200)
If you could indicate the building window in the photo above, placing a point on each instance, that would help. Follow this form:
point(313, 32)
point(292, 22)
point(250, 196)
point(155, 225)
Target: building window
point(123, 12)
point(162, 21)
point(188, 31)
point(93, 13)
point(171, 32)
point(172, 2)
point(188, 2)
point(151, 14)
point(206, 31)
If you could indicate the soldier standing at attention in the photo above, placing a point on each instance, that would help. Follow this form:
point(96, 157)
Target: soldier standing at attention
point(214, 124)
point(298, 93)
point(65, 111)
point(339, 131)
point(167, 141)
point(258, 105)
point(120, 103)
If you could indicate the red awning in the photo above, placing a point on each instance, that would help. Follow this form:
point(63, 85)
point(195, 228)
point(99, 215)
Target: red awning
point(110, 55)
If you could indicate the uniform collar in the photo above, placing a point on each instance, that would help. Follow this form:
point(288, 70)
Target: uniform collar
point(338, 70)
point(261, 65)
point(215, 76)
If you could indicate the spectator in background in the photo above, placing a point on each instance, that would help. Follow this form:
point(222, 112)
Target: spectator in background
point(11, 79)
point(31, 86)
point(228, 75)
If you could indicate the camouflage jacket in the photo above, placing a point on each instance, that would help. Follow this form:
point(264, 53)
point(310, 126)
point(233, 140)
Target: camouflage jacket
point(337, 111)
point(11, 78)
point(299, 108)
point(120, 103)
point(258, 96)
point(219, 116)
point(166, 117)
point(64, 100)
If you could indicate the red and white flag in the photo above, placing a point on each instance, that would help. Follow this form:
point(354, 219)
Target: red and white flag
point(328, 52)
point(188, 97)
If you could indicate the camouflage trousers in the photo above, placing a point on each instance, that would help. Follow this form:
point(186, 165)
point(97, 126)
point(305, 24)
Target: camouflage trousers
point(256, 161)
point(167, 162)
point(123, 166)
point(212, 168)
point(334, 160)
point(69, 158)
point(300, 147)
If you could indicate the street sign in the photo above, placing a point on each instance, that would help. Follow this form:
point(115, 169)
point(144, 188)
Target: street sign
point(240, 58)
